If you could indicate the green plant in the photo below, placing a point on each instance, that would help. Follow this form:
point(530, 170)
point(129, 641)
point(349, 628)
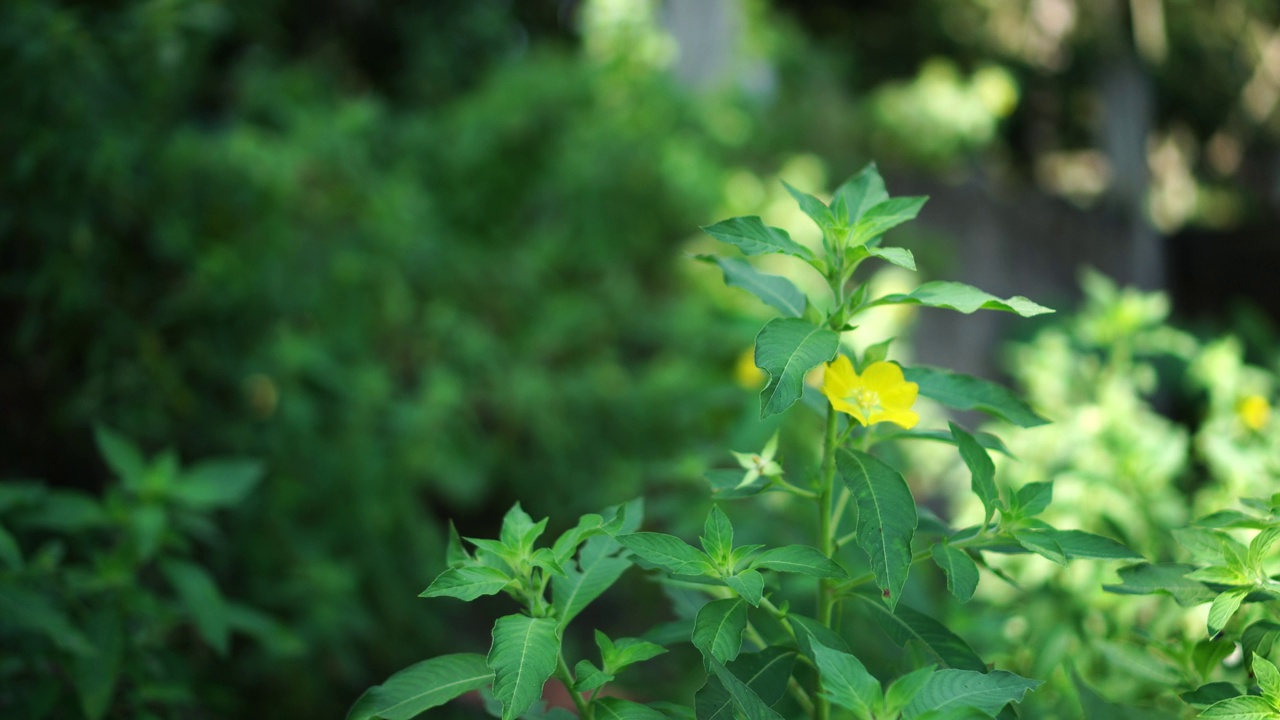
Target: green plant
point(108, 610)
point(771, 647)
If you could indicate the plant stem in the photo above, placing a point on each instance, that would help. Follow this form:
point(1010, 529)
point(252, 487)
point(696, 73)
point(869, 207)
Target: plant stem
point(566, 677)
point(793, 686)
point(826, 543)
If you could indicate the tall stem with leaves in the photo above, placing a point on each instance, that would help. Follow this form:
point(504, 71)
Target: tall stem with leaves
point(739, 583)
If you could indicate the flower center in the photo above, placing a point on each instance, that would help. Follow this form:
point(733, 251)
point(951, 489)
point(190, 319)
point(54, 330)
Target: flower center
point(866, 399)
point(759, 462)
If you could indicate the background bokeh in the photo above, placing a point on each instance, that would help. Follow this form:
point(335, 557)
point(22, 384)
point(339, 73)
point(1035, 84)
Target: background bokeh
point(422, 259)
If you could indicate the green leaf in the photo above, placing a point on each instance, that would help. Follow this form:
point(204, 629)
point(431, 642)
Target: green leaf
point(1097, 707)
point(717, 535)
point(10, 552)
point(1268, 678)
point(986, 440)
point(68, 511)
point(33, 611)
point(1261, 546)
point(1207, 546)
point(901, 257)
point(905, 625)
point(1208, 654)
point(618, 709)
point(588, 526)
point(1042, 544)
point(812, 206)
point(217, 483)
point(668, 552)
point(749, 584)
point(545, 558)
point(718, 628)
point(801, 559)
point(1206, 695)
point(518, 529)
point(905, 688)
point(596, 569)
point(1032, 498)
point(589, 677)
point(467, 583)
point(846, 680)
point(745, 699)
point(1219, 574)
point(522, 657)
point(753, 237)
point(886, 518)
point(21, 494)
point(765, 673)
point(965, 392)
point(148, 524)
point(773, 290)
point(1078, 544)
point(961, 570)
point(1223, 607)
point(627, 651)
point(200, 596)
point(962, 298)
point(809, 630)
point(988, 692)
point(787, 348)
point(885, 216)
point(456, 554)
point(122, 457)
point(95, 676)
point(1260, 638)
point(1167, 578)
point(857, 195)
point(1245, 707)
point(981, 468)
point(422, 686)
point(1230, 519)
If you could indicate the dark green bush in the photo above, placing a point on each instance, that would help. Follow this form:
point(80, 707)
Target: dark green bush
point(256, 256)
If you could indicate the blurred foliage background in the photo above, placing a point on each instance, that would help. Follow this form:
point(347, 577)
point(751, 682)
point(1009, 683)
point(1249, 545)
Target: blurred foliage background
point(422, 259)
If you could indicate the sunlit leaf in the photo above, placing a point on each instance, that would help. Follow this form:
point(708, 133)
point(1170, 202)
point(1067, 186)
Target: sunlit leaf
point(962, 298)
point(846, 680)
point(668, 552)
point(765, 673)
point(773, 290)
point(718, 628)
point(202, 599)
point(988, 692)
point(467, 583)
point(801, 559)
point(981, 469)
point(787, 349)
point(422, 686)
point(961, 570)
point(753, 237)
point(886, 518)
point(965, 392)
point(522, 657)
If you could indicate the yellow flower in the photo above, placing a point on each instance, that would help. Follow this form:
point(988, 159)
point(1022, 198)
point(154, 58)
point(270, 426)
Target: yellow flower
point(745, 371)
point(1254, 411)
point(879, 394)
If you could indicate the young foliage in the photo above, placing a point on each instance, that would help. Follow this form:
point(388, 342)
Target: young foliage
point(736, 606)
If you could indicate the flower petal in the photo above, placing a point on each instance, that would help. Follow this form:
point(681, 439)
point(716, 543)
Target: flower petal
point(881, 374)
point(839, 377)
point(906, 418)
point(899, 396)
